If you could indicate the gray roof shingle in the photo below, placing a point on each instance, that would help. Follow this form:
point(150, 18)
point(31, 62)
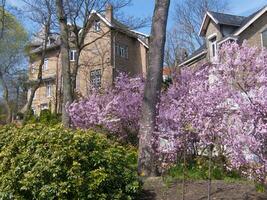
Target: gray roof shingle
point(227, 19)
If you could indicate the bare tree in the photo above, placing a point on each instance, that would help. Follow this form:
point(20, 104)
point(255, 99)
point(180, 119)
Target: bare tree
point(11, 56)
point(2, 17)
point(64, 48)
point(188, 17)
point(41, 13)
point(80, 15)
point(76, 17)
point(175, 49)
point(146, 157)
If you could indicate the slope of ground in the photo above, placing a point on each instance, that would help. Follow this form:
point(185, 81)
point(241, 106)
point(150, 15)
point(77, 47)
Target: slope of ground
point(157, 189)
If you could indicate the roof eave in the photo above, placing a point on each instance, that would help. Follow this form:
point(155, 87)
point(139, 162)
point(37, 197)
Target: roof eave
point(250, 22)
point(193, 58)
point(205, 23)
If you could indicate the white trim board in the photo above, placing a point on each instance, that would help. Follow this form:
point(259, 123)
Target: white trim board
point(196, 56)
point(251, 21)
point(208, 14)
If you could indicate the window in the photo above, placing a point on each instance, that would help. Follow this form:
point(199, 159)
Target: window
point(97, 25)
point(213, 48)
point(49, 90)
point(73, 55)
point(121, 50)
point(32, 69)
point(44, 106)
point(264, 38)
point(45, 65)
point(48, 41)
point(95, 78)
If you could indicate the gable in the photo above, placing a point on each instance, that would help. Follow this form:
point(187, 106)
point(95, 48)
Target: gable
point(251, 20)
point(253, 33)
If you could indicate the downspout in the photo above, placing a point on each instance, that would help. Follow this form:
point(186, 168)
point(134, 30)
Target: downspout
point(114, 57)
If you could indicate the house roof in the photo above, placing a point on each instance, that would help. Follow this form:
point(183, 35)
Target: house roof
point(227, 19)
point(167, 71)
point(240, 22)
point(250, 19)
point(232, 20)
point(115, 24)
point(202, 50)
point(220, 18)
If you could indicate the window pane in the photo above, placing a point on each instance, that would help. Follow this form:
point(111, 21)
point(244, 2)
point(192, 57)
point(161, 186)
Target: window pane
point(95, 78)
point(97, 25)
point(45, 65)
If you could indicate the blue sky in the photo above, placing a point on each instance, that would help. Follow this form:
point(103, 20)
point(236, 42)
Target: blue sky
point(144, 8)
point(239, 7)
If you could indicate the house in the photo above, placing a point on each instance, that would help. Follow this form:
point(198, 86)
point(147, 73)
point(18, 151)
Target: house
point(112, 48)
point(167, 73)
point(218, 28)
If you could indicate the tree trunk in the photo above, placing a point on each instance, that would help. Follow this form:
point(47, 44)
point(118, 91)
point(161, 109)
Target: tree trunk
point(40, 73)
point(66, 72)
point(6, 101)
point(209, 181)
point(146, 156)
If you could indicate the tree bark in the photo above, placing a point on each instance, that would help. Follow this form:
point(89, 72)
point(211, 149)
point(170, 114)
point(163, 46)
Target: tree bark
point(66, 72)
point(39, 80)
point(209, 175)
point(146, 154)
point(6, 100)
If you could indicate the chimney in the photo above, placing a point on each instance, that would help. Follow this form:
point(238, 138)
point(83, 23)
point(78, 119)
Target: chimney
point(109, 13)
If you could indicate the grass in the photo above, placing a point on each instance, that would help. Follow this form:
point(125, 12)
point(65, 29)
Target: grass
point(197, 169)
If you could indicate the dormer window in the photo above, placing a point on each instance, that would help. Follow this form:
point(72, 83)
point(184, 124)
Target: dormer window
point(97, 25)
point(213, 48)
point(264, 38)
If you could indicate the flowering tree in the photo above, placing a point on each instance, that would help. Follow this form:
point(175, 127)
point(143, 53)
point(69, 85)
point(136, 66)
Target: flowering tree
point(220, 107)
point(116, 109)
point(244, 70)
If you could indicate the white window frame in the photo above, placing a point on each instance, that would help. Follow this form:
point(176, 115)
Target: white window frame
point(44, 106)
point(45, 65)
point(48, 41)
point(73, 55)
point(32, 69)
point(48, 90)
point(122, 50)
point(97, 25)
point(213, 47)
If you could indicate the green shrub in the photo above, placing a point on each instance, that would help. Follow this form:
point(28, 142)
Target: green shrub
point(198, 169)
point(47, 117)
point(49, 162)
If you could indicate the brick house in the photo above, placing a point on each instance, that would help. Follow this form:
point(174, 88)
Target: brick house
point(218, 28)
point(118, 50)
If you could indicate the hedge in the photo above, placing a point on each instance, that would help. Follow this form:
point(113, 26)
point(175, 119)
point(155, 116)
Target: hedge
point(49, 162)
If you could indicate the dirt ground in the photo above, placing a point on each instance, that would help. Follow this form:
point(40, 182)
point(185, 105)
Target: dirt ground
point(156, 189)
